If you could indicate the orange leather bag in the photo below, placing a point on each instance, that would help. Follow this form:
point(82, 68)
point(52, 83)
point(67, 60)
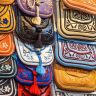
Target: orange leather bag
point(88, 6)
point(7, 19)
point(6, 2)
point(74, 79)
point(7, 46)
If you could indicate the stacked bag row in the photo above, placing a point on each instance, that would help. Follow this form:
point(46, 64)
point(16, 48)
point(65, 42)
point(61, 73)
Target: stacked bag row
point(75, 48)
point(8, 68)
point(26, 54)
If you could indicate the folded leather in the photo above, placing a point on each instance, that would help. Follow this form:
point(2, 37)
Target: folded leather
point(6, 2)
point(73, 24)
point(74, 79)
point(88, 6)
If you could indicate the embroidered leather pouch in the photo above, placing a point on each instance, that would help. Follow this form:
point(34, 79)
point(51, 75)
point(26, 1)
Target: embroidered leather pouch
point(88, 6)
point(7, 19)
point(6, 2)
point(74, 53)
point(8, 87)
point(29, 33)
point(30, 7)
point(31, 56)
point(74, 79)
point(8, 67)
point(24, 90)
point(7, 46)
point(75, 24)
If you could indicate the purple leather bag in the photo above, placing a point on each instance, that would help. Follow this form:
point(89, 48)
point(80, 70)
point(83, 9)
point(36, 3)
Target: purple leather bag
point(29, 7)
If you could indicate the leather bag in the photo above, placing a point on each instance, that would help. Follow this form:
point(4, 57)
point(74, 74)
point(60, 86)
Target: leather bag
point(8, 87)
point(74, 79)
point(7, 19)
point(73, 24)
point(8, 68)
point(73, 53)
point(27, 75)
point(7, 46)
point(39, 36)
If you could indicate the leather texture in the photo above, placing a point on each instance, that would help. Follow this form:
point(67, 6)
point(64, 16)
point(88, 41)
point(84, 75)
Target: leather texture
point(46, 8)
point(27, 53)
point(28, 33)
point(74, 79)
point(45, 91)
point(7, 19)
point(88, 6)
point(25, 75)
point(6, 2)
point(7, 46)
point(8, 68)
point(78, 54)
point(73, 24)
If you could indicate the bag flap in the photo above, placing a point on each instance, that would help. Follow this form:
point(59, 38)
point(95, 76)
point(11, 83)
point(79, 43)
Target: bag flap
point(27, 53)
point(7, 45)
point(75, 54)
point(28, 33)
point(8, 67)
point(6, 2)
point(88, 6)
point(74, 79)
point(25, 74)
point(7, 19)
point(29, 7)
point(8, 87)
point(74, 24)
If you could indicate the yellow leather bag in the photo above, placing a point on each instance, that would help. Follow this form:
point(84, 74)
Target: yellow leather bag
point(6, 2)
point(88, 6)
point(75, 24)
point(7, 19)
point(7, 46)
point(74, 79)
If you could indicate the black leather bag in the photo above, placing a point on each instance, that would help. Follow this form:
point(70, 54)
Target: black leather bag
point(38, 35)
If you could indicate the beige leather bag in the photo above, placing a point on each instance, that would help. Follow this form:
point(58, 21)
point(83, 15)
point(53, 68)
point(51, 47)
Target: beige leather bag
point(75, 24)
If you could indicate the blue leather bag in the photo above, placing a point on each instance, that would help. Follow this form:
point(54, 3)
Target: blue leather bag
point(73, 53)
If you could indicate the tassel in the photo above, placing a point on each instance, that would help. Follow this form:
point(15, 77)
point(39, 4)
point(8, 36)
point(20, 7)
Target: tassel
point(40, 70)
point(34, 89)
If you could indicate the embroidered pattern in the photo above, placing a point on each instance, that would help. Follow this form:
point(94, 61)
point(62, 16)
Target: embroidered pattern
point(4, 68)
point(79, 22)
